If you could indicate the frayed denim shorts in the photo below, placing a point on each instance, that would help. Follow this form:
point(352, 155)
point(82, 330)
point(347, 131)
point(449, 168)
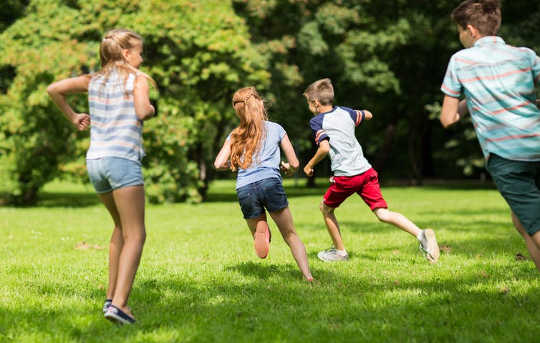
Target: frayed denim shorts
point(110, 173)
point(267, 194)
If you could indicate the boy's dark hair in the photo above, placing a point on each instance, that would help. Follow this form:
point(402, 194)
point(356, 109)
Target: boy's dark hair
point(484, 15)
point(321, 90)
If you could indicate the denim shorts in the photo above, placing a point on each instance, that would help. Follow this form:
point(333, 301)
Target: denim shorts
point(267, 194)
point(110, 173)
point(519, 184)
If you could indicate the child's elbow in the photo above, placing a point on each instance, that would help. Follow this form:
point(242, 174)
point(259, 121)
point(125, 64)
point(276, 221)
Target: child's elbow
point(324, 147)
point(51, 89)
point(220, 165)
point(446, 123)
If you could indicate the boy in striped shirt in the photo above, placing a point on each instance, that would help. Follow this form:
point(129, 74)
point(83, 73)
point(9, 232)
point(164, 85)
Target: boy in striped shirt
point(498, 82)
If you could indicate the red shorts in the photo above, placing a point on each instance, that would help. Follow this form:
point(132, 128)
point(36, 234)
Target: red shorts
point(365, 184)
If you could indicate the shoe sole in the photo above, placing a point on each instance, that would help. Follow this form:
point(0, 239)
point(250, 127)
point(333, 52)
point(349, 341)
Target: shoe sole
point(117, 320)
point(320, 256)
point(432, 246)
point(262, 244)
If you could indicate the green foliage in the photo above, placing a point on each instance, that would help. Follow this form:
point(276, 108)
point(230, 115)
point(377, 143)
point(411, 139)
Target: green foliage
point(371, 50)
point(386, 56)
point(198, 53)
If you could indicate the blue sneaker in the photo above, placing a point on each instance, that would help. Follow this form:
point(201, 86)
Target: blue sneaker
point(106, 305)
point(116, 315)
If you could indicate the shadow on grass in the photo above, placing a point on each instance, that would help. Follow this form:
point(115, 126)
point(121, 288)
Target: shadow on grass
point(68, 200)
point(464, 306)
point(264, 271)
point(64, 199)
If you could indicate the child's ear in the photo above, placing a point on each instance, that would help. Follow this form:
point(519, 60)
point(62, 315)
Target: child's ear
point(473, 31)
point(125, 53)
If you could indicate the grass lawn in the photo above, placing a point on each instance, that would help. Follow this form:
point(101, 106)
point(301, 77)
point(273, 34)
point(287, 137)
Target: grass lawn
point(200, 280)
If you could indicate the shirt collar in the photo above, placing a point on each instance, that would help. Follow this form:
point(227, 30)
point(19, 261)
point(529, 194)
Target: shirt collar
point(332, 110)
point(489, 40)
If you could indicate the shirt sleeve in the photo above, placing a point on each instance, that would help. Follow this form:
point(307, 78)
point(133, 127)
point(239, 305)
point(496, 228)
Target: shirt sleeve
point(281, 132)
point(451, 85)
point(316, 126)
point(536, 68)
point(357, 116)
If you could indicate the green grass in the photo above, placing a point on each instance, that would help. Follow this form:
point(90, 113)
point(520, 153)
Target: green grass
point(200, 281)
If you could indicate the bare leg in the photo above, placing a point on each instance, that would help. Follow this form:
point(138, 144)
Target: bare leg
point(428, 243)
point(284, 221)
point(259, 228)
point(332, 226)
point(257, 224)
point(116, 244)
point(533, 243)
point(398, 220)
point(130, 204)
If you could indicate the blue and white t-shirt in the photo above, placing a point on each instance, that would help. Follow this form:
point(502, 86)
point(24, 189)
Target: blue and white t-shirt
point(115, 129)
point(266, 162)
point(337, 126)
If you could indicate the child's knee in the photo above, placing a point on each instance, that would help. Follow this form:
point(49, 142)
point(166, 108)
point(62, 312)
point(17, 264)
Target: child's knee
point(325, 210)
point(382, 214)
point(135, 237)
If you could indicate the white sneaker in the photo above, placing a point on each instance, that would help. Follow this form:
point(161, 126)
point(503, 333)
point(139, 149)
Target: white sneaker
point(332, 255)
point(429, 246)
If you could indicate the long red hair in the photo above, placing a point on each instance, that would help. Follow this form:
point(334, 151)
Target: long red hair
point(246, 139)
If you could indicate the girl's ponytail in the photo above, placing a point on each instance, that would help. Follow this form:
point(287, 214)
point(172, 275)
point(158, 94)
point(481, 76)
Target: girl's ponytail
point(246, 139)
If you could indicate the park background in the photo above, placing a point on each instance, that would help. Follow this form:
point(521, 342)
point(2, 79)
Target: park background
point(199, 279)
point(386, 56)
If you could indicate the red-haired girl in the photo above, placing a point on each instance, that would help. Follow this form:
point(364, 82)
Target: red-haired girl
point(253, 149)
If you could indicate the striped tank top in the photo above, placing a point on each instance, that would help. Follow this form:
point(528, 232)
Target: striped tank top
point(115, 130)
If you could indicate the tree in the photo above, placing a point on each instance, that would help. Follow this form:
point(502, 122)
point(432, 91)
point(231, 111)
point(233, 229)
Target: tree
point(388, 56)
point(198, 52)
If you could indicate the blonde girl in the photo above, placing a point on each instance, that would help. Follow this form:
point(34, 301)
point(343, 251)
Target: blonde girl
point(119, 103)
point(253, 149)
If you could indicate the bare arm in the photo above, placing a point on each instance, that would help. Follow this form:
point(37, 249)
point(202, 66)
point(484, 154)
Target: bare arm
point(292, 161)
point(368, 115)
point(141, 98)
point(450, 111)
point(58, 91)
point(222, 159)
point(322, 151)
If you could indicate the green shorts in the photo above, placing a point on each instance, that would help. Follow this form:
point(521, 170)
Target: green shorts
point(519, 184)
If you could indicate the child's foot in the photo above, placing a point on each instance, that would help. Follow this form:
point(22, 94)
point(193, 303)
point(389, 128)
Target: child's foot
point(262, 243)
point(116, 315)
point(429, 246)
point(106, 305)
point(333, 255)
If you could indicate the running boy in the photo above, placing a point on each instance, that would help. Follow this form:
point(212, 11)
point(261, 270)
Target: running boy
point(333, 128)
point(498, 81)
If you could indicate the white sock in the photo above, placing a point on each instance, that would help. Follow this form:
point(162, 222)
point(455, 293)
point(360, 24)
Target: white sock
point(341, 252)
point(421, 236)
